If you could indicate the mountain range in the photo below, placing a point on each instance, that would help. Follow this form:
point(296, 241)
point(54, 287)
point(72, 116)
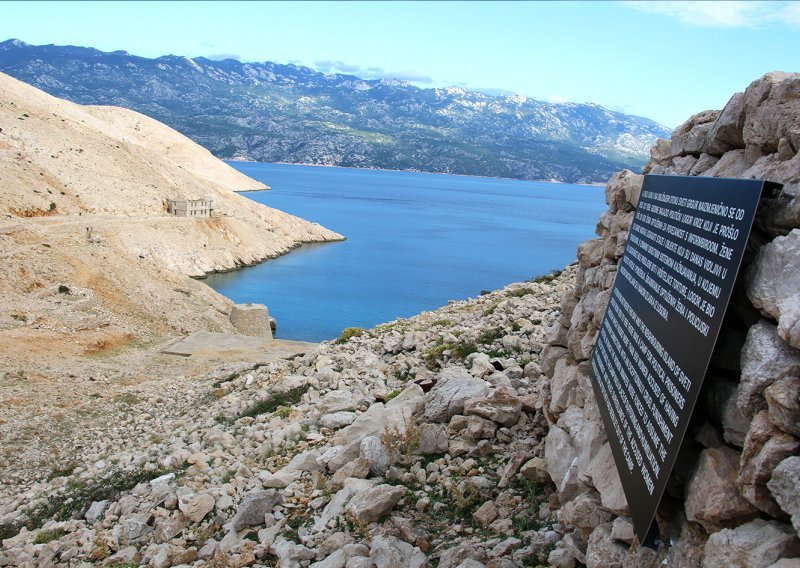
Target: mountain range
point(271, 112)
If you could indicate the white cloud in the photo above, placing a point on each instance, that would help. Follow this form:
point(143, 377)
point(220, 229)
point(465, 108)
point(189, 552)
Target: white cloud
point(723, 13)
point(328, 66)
point(556, 99)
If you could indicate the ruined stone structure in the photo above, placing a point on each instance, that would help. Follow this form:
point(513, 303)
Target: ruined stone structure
point(191, 207)
point(734, 495)
point(251, 319)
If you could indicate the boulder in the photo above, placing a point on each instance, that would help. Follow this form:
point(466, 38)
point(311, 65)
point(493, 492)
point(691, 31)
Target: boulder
point(773, 285)
point(375, 454)
point(500, 407)
point(447, 397)
point(785, 488)
point(604, 476)
point(783, 404)
point(359, 468)
point(603, 551)
point(253, 507)
point(372, 504)
point(393, 416)
point(485, 514)
point(726, 131)
point(196, 506)
point(772, 105)
point(757, 543)
point(391, 552)
point(433, 440)
point(713, 497)
point(766, 358)
point(764, 448)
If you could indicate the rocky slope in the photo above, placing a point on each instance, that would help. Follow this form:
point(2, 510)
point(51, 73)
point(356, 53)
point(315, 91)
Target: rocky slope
point(286, 113)
point(296, 461)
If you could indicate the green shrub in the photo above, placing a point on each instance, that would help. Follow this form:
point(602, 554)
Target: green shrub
point(275, 401)
point(519, 292)
point(348, 333)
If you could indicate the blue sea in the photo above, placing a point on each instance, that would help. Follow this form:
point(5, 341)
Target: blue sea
point(414, 241)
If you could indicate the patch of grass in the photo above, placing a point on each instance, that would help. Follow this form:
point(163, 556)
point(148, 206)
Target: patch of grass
point(519, 292)
point(515, 326)
point(283, 412)
point(78, 494)
point(275, 401)
point(490, 310)
point(62, 471)
point(350, 332)
point(444, 322)
point(484, 292)
point(490, 335)
point(549, 277)
point(128, 399)
point(458, 350)
point(47, 536)
point(392, 395)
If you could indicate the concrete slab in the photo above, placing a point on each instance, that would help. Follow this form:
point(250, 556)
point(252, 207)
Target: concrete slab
point(224, 345)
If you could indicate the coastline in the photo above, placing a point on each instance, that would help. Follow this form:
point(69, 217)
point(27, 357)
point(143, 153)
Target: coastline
point(230, 160)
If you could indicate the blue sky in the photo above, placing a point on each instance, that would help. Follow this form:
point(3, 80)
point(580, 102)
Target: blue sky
point(663, 60)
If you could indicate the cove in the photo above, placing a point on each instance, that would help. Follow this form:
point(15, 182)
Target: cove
point(414, 241)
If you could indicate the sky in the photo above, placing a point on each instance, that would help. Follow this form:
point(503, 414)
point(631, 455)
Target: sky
point(663, 60)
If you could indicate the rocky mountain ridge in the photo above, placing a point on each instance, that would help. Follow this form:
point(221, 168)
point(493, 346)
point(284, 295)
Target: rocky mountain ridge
point(287, 113)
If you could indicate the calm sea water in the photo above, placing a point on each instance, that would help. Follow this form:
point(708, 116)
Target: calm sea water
point(414, 241)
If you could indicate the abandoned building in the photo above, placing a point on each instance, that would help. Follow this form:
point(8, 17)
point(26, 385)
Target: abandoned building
point(191, 207)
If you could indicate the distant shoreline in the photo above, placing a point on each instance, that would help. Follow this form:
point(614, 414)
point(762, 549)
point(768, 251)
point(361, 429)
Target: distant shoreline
point(593, 184)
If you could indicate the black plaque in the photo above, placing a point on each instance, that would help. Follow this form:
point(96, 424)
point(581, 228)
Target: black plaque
point(669, 299)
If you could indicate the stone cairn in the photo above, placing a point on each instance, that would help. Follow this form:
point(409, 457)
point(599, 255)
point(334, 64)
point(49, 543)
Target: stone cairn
point(734, 495)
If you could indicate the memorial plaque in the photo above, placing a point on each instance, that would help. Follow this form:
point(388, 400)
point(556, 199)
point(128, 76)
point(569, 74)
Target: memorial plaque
point(663, 317)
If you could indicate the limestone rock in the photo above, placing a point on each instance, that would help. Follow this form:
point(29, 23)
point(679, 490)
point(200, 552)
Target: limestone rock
point(196, 506)
point(726, 131)
point(336, 420)
point(774, 285)
point(690, 137)
point(485, 514)
point(372, 504)
point(390, 552)
point(772, 104)
point(766, 358)
point(622, 191)
point(605, 477)
point(603, 551)
point(764, 448)
point(536, 470)
point(785, 488)
point(393, 416)
point(757, 543)
point(560, 455)
point(373, 451)
point(447, 397)
point(713, 498)
point(359, 468)
point(253, 507)
point(500, 406)
point(433, 440)
point(290, 554)
point(783, 402)
point(585, 512)
point(96, 511)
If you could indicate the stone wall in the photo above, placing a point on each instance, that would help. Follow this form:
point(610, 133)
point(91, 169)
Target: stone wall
point(734, 494)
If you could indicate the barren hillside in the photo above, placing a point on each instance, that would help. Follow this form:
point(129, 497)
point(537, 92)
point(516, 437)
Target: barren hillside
point(91, 259)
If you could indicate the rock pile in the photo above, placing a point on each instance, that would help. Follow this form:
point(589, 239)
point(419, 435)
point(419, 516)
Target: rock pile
point(733, 496)
point(419, 441)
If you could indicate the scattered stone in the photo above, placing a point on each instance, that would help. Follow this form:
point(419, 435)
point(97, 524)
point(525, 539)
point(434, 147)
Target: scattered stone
point(253, 507)
point(375, 502)
point(499, 406)
point(785, 488)
point(390, 552)
point(757, 543)
point(486, 514)
point(196, 506)
point(447, 397)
